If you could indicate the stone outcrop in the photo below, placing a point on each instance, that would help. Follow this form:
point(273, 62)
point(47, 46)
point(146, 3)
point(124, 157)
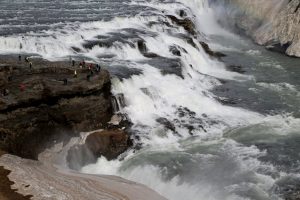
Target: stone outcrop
point(38, 108)
point(272, 23)
point(108, 143)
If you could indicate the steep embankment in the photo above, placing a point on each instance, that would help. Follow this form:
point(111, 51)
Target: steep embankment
point(273, 23)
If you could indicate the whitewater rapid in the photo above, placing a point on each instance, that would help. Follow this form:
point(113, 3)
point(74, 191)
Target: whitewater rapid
point(193, 145)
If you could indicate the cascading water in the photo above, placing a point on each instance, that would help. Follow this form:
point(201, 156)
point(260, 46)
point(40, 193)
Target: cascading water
point(193, 146)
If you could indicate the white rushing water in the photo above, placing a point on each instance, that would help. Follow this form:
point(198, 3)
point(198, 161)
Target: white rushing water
point(189, 139)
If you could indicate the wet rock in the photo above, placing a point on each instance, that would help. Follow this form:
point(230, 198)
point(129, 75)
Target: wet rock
point(183, 111)
point(166, 65)
point(144, 50)
point(150, 55)
point(190, 128)
point(191, 42)
point(167, 124)
point(142, 46)
point(277, 47)
point(236, 68)
point(76, 49)
point(121, 72)
point(226, 101)
point(93, 43)
point(207, 49)
point(108, 143)
point(186, 23)
point(175, 51)
point(182, 13)
point(120, 121)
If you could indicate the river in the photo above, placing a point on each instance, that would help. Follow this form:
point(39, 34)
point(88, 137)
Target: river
point(204, 130)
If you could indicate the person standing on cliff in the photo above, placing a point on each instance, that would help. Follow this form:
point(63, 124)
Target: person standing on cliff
point(65, 80)
point(20, 57)
point(5, 92)
point(98, 68)
point(30, 65)
point(73, 63)
point(75, 73)
point(22, 87)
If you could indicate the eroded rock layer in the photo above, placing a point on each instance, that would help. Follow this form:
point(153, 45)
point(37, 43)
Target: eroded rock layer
point(273, 23)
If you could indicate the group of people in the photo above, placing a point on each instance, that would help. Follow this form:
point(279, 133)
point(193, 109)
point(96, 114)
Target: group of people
point(93, 68)
point(26, 60)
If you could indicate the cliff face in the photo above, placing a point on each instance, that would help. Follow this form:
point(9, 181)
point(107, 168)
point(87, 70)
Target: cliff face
point(37, 108)
point(273, 23)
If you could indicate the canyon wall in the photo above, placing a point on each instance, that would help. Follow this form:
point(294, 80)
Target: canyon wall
point(272, 23)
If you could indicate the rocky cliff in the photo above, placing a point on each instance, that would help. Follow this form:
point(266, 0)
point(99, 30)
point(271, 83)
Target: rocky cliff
point(46, 103)
point(272, 23)
point(45, 106)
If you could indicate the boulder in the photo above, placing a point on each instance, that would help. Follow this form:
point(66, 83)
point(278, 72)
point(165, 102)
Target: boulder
point(108, 143)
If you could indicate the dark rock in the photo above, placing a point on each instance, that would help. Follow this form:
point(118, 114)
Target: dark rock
point(190, 128)
point(207, 49)
point(93, 43)
point(186, 23)
point(182, 13)
point(167, 124)
point(226, 101)
point(175, 51)
point(144, 50)
point(183, 111)
point(236, 68)
point(107, 143)
point(142, 46)
point(76, 49)
point(277, 47)
point(191, 42)
point(150, 55)
point(166, 65)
